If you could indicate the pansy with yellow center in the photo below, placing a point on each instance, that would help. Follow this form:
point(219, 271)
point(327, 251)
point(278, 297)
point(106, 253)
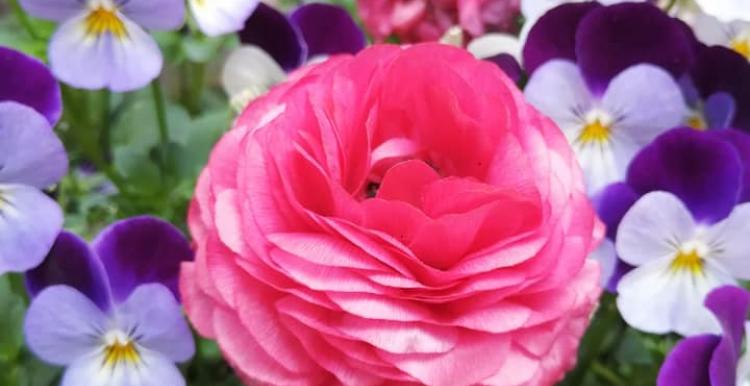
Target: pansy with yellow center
point(103, 44)
point(678, 261)
point(110, 312)
point(732, 34)
point(607, 129)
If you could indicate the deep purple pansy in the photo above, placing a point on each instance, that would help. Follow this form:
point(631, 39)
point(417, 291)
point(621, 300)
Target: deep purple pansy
point(721, 71)
point(27, 81)
point(275, 43)
point(110, 312)
point(712, 360)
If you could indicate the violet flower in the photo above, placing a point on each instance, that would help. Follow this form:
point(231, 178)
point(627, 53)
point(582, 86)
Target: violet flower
point(274, 44)
point(713, 360)
point(110, 313)
point(103, 44)
point(32, 158)
point(679, 222)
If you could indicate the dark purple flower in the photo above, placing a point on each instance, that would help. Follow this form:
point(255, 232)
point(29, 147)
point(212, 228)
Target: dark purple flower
point(711, 360)
point(110, 312)
point(721, 70)
point(28, 82)
point(604, 41)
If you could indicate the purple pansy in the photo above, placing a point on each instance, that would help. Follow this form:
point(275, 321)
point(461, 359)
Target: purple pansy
point(275, 43)
point(607, 82)
point(721, 71)
point(28, 82)
point(678, 225)
point(103, 44)
point(110, 312)
point(712, 360)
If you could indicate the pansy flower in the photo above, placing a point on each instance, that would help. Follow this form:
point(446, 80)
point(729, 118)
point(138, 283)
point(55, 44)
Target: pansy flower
point(110, 312)
point(722, 75)
point(683, 232)
point(726, 10)
point(610, 89)
point(713, 360)
point(275, 43)
point(103, 44)
point(734, 34)
point(218, 17)
point(32, 158)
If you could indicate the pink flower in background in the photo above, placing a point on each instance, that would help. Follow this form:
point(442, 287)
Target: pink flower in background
point(402, 216)
point(428, 20)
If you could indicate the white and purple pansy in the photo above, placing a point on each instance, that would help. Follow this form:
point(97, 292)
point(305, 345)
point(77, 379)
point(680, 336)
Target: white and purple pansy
point(32, 158)
point(610, 99)
point(709, 359)
point(275, 43)
point(110, 312)
point(103, 44)
point(680, 223)
point(218, 17)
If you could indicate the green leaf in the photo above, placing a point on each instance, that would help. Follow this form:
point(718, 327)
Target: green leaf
point(11, 323)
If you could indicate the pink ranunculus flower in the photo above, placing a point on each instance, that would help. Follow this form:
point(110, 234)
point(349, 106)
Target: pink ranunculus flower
point(428, 20)
point(399, 217)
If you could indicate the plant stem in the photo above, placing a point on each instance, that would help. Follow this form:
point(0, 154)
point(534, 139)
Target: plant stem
point(23, 18)
point(161, 117)
point(105, 139)
point(607, 374)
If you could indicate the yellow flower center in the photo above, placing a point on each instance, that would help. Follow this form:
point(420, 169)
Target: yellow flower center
point(595, 131)
point(689, 260)
point(697, 122)
point(102, 20)
point(120, 349)
point(742, 46)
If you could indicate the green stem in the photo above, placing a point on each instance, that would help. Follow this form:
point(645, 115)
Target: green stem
point(23, 18)
point(105, 138)
point(161, 117)
point(197, 79)
point(670, 5)
point(607, 374)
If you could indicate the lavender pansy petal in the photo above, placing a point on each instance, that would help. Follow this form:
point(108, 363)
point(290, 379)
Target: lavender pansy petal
point(557, 89)
point(29, 223)
point(687, 364)
point(57, 10)
point(141, 250)
point(611, 39)
point(612, 203)
point(121, 64)
point(160, 15)
point(730, 305)
point(71, 262)
point(719, 110)
point(553, 35)
point(509, 65)
point(28, 82)
point(272, 31)
point(154, 313)
point(646, 101)
point(705, 172)
point(741, 141)
point(721, 69)
point(62, 324)
point(328, 29)
point(606, 255)
point(621, 269)
point(30, 152)
point(218, 17)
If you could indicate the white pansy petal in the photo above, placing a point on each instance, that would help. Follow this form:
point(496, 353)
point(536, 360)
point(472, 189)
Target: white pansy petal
point(726, 10)
point(645, 101)
point(711, 30)
point(120, 63)
point(606, 256)
point(249, 72)
point(599, 164)
point(656, 299)
point(654, 228)
point(533, 9)
point(493, 44)
point(218, 17)
point(151, 370)
point(558, 90)
point(728, 241)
